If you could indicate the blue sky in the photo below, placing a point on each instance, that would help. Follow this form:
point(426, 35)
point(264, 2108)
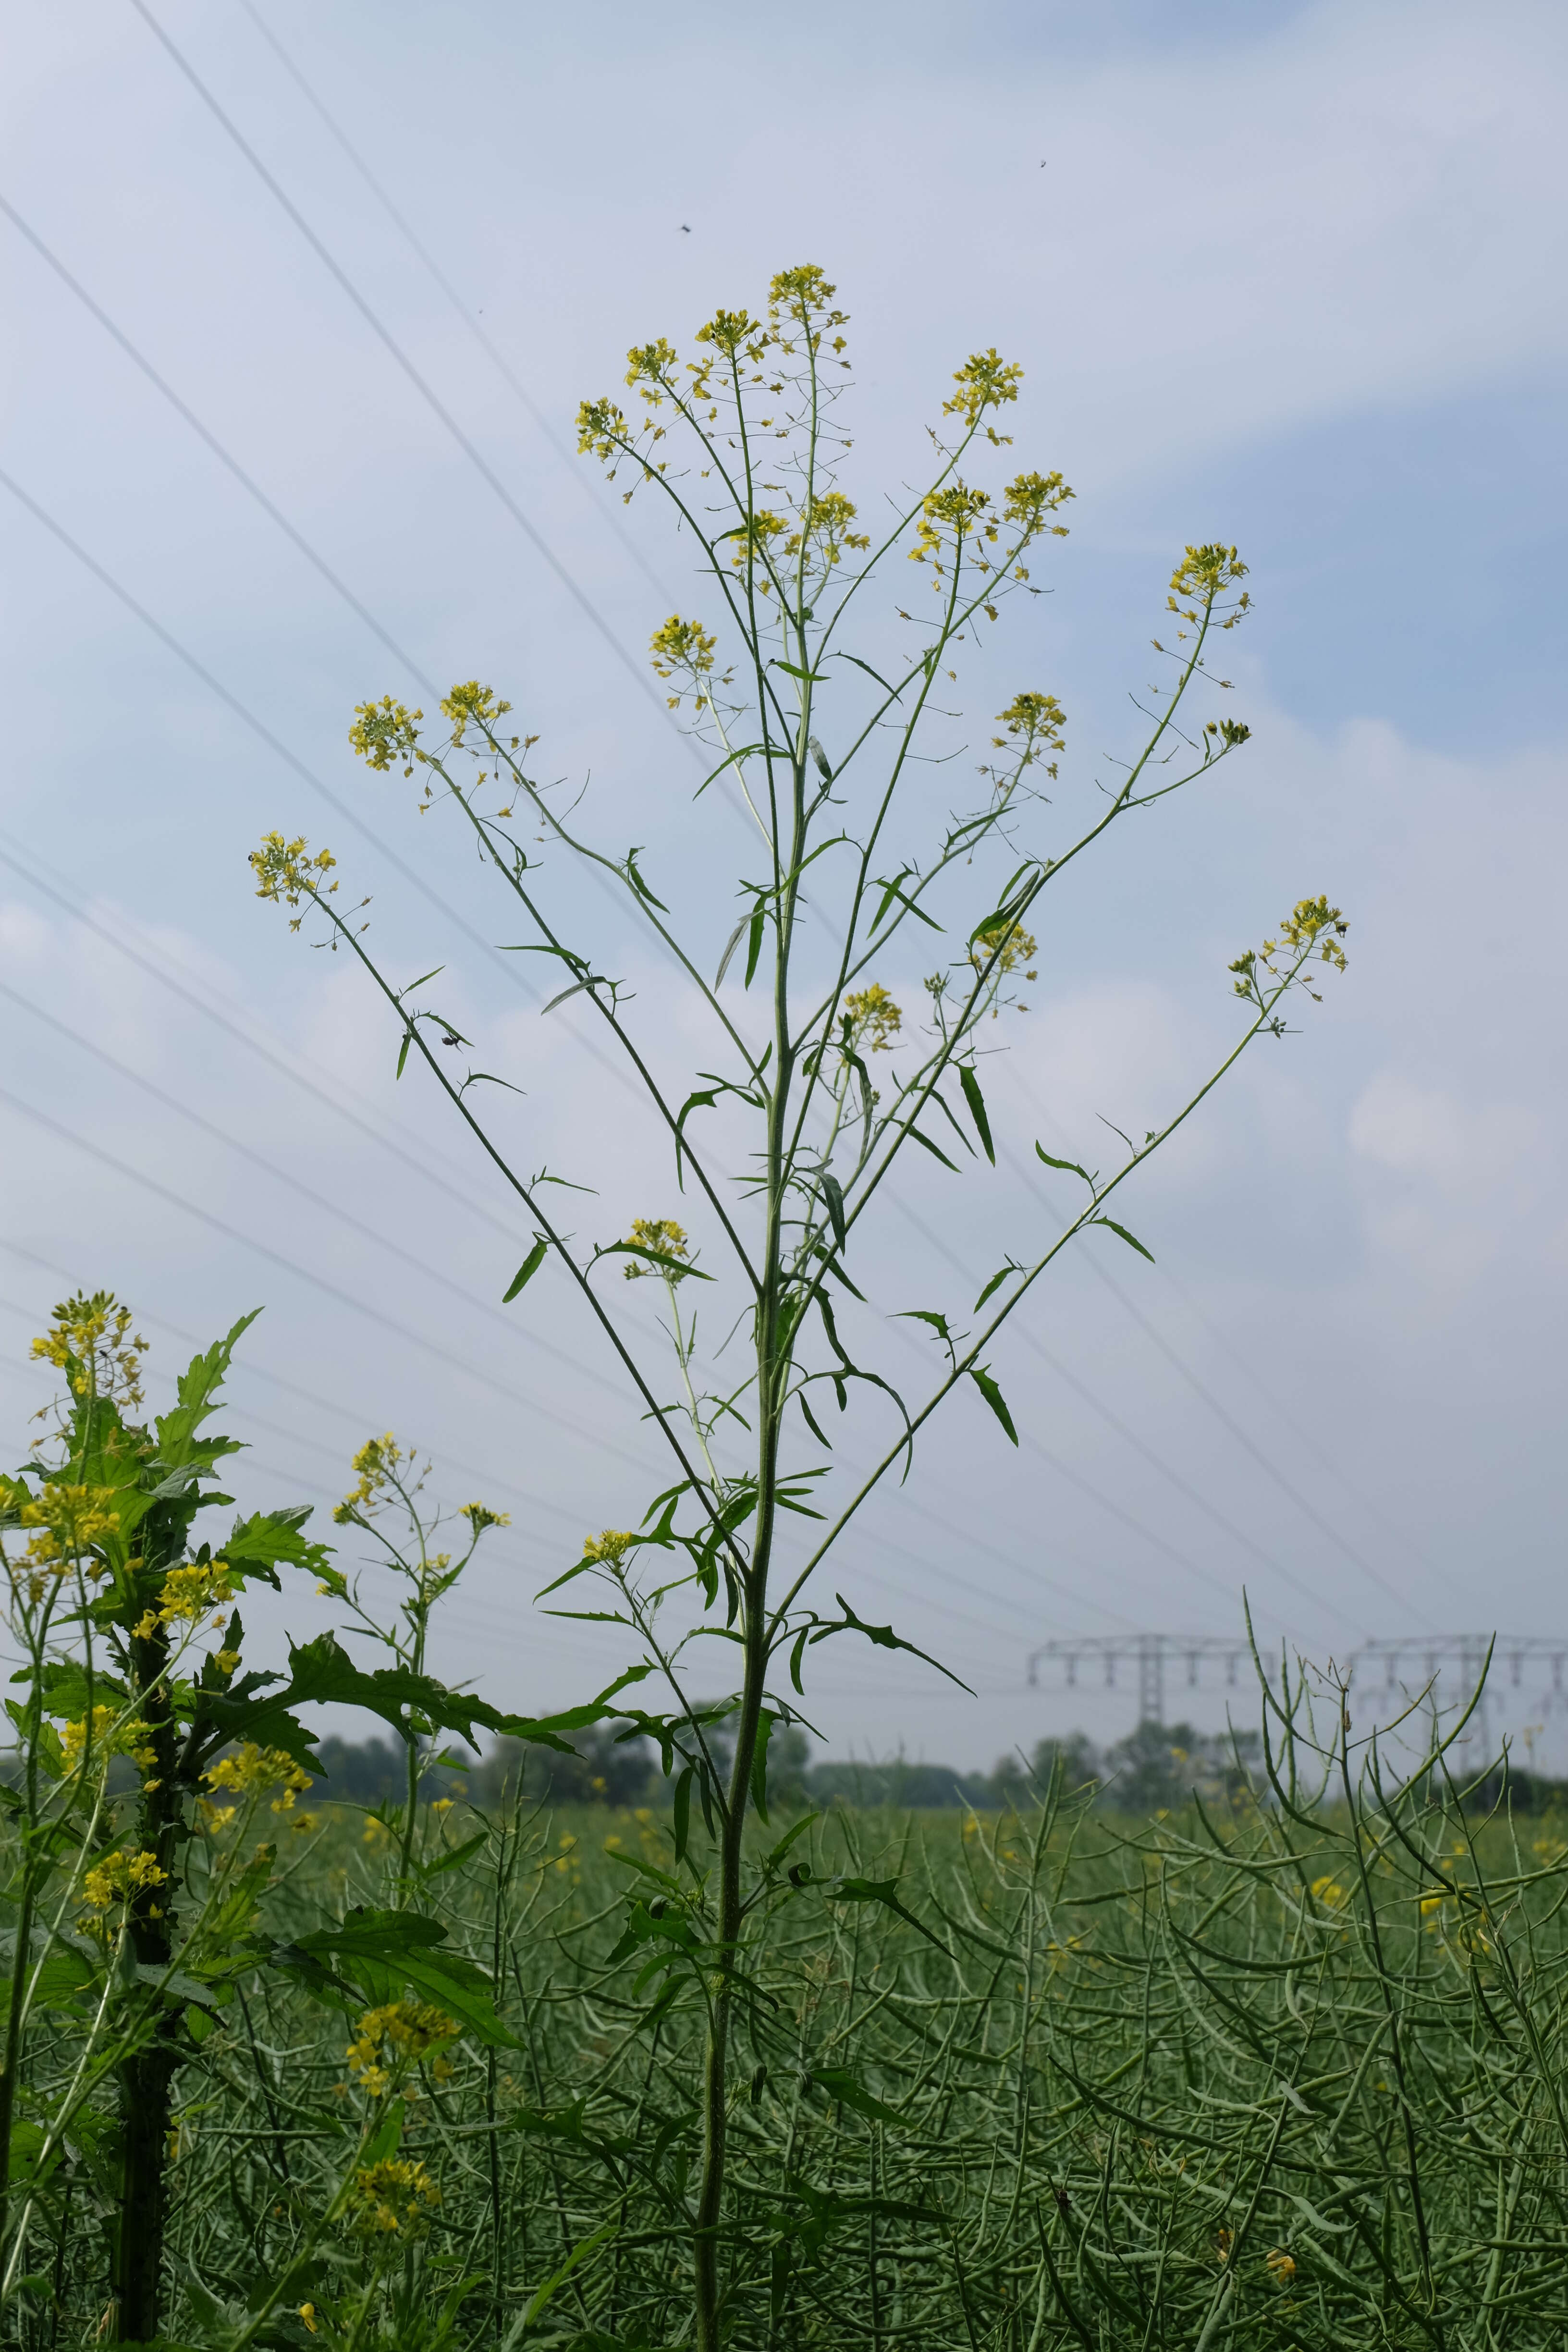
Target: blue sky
point(1286, 275)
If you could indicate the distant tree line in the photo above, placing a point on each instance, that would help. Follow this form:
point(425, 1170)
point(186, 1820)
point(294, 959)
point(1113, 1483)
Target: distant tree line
point(1158, 1765)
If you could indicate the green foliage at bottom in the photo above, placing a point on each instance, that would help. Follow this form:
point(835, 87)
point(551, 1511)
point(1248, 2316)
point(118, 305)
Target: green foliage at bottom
point(1225, 2080)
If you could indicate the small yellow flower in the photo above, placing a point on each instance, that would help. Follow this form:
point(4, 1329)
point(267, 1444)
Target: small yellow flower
point(386, 732)
point(89, 1340)
point(1017, 948)
point(286, 872)
point(393, 2198)
point(255, 1769)
point(480, 1517)
point(874, 1018)
point(402, 2034)
point(72, 1521)
point(119, 1877)
point(376, 1466)
point(1281, 2266)
point(307, 2314)
point(660, 1233)
point(984, 381)
point(612, 1547)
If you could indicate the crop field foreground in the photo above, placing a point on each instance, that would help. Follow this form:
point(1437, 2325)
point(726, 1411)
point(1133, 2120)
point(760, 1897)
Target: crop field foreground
point(1037, 2081)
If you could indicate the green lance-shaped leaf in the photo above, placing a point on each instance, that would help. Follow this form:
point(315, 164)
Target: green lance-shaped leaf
point(884, 1891)
point(376, 1950)
point(993, 1398)
point(1131, 1240)
point(640, 886)
point(969, 1082)
point(754, 940)
point(996, 1281)
point(527, 1270)
point(654, 1257)
point(883, 1636)
point(833, 1193)
point(1070, 1167)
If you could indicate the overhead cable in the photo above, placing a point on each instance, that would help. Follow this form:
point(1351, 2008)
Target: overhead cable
point(1186, 1372)
point(1130, 1436)
point(317, 1282)
point(428, 262)
point(437, 406)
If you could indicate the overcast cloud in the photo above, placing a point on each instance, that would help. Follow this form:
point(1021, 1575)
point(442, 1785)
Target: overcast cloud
point(1290, 276)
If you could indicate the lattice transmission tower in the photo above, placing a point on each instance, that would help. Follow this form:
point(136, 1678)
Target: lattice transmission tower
point(1400, 1668)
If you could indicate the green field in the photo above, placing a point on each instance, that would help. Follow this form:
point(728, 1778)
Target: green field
point(1204, 2082)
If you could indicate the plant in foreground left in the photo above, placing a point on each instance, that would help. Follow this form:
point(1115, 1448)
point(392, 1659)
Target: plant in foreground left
point(148, 1756)
point(821, 699)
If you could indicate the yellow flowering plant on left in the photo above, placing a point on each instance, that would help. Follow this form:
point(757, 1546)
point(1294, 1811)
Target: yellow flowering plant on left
point(131, 1643)
point(140, 1906)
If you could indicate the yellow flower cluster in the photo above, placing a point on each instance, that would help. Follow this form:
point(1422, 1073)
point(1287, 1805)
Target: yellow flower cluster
point(395, 2196)
point(375, 1465)
point(957, 513)
point(403, 2033)
point(1281, 2266)
point(874, 1018)
point(72, 1521)
point(476, 702)
point(984, 381)
point(285, 870)
point(480, 1517)
point(107, 1738)
point(825, 530)
point(684, 649)
point(611, 1547)
point(661, 1234)
point(1019, 947)
point(1035, 721)
point(385, 732)
point(1330, 1893)
point(186, 1596)
point(1312, 926)
point(1201, 578)
point(253, 1770)
point(1030, 498)
point(601, 428)
point(752, 539)
point(650, 363)
point(94, 1333)
point(120, 1875)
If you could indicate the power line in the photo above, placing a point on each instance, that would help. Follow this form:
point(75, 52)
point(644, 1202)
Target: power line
point(1184, 1371)
point(1114, 1420)
point(290, 760)
point(517, 1331)
point(1199, 1388)
point(429, 264)
point(316, 1282)
point(247, 1367)
point(486, 471)
point(1094, 1495)
point(275, 1060)
point(210, 440)
point(172, 1102)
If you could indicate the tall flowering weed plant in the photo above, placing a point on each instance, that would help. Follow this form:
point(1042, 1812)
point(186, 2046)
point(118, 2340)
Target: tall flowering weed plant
point(823, 740)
